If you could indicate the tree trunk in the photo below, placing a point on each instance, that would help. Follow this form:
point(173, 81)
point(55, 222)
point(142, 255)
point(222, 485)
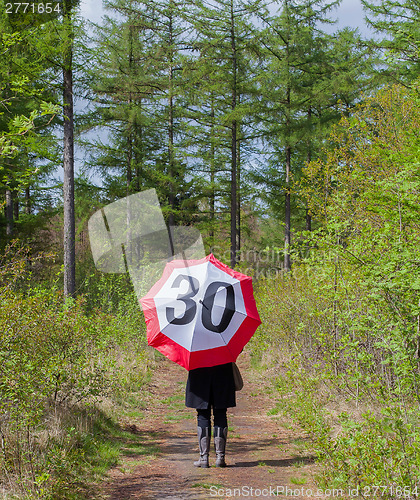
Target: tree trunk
point(287, 209)
point(129, 176)
point(15, 206)
point(233, 201)
point(28, 207)
point(138, 131)
point(238, 199)
point(308, 218)
point(234, 194)
point(171, 196)
point(308, 221)
point(212, 178)
point(68, 165)
point(28, 211)
point(9, 212)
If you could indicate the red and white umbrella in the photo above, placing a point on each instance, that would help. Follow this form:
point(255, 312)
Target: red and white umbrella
point(200, 313)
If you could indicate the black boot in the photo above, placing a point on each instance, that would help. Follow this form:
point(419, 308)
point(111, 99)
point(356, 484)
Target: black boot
point(220, 435)
point(204, 435)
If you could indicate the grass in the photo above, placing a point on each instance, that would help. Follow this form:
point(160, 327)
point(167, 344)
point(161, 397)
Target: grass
point(287, 425)
point(299, 463)
point(300, 443)
point(207, 486)
point(175, 398)
point(176, 418)
point(81, 459)
point(298, 480)
point(83, 445)
point(134, 413)
point(175, 403)
point(273, 411)
point(110, 442)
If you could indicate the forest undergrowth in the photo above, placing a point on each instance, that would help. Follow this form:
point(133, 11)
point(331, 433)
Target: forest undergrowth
point(69, 369)
point(344, 326)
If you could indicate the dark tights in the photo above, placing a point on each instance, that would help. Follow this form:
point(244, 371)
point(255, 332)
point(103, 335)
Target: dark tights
point(219, 417)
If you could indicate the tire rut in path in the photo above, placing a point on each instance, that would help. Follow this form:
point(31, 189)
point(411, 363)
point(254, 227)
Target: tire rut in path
point(262, 451)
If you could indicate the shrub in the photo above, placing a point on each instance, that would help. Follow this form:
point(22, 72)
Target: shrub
point(57, 363)
point(347, 318)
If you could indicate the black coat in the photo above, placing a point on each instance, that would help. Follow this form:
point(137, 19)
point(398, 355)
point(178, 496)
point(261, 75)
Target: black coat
point(211, 386)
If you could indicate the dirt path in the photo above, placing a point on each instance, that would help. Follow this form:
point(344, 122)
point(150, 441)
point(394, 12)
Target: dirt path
point(263, 451)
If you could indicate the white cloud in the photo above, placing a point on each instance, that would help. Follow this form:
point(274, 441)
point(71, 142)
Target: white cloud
point(92, 10)
point(350, 13)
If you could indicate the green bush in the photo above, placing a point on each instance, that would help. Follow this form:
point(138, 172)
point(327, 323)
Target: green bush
point(346, 322)
point(59, 359)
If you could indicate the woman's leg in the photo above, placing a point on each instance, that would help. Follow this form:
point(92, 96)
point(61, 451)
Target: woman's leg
point(220, 435)
point(220, 417)
point(204, 435)
point(203, 418)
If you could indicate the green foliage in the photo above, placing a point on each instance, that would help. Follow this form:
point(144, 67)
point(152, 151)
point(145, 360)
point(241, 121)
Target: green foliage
point(377, 450)
point(25, 105)
point(58, 364)
point(398, 21)
point(348, 316)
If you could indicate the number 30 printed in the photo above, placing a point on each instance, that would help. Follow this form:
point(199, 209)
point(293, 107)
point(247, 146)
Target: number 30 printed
point(207, 303)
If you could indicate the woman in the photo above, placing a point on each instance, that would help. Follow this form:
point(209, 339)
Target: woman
point(212, 387)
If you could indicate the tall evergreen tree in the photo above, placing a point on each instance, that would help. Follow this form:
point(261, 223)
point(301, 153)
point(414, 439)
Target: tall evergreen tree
point(399, 23)
point(123, 86)
point(26, 108)
point(294, 45)
point(225, 43)
point(308, 73)
point(68, 152)
point(62, 54)
point(140, 79)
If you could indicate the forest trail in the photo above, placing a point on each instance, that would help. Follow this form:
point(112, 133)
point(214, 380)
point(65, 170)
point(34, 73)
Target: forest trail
point(263, 450)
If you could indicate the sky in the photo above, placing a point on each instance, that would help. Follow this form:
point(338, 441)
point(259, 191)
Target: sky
point(350, 13)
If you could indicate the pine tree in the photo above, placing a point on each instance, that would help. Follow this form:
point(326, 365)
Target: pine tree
point(68, 152)
point(293, 46)
point(225, 44)
point(123, 86)
point(399, 23)
point(308, 73)
point(140, 75)
point(27, 109)
point(61, 54)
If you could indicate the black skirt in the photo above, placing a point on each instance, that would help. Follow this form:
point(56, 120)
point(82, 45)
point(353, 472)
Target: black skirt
point(212, 386)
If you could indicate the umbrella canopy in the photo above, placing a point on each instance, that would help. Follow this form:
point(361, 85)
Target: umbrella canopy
point(200, 313)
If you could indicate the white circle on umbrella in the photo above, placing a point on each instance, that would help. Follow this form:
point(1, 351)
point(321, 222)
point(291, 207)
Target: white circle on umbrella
point(191, 283)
